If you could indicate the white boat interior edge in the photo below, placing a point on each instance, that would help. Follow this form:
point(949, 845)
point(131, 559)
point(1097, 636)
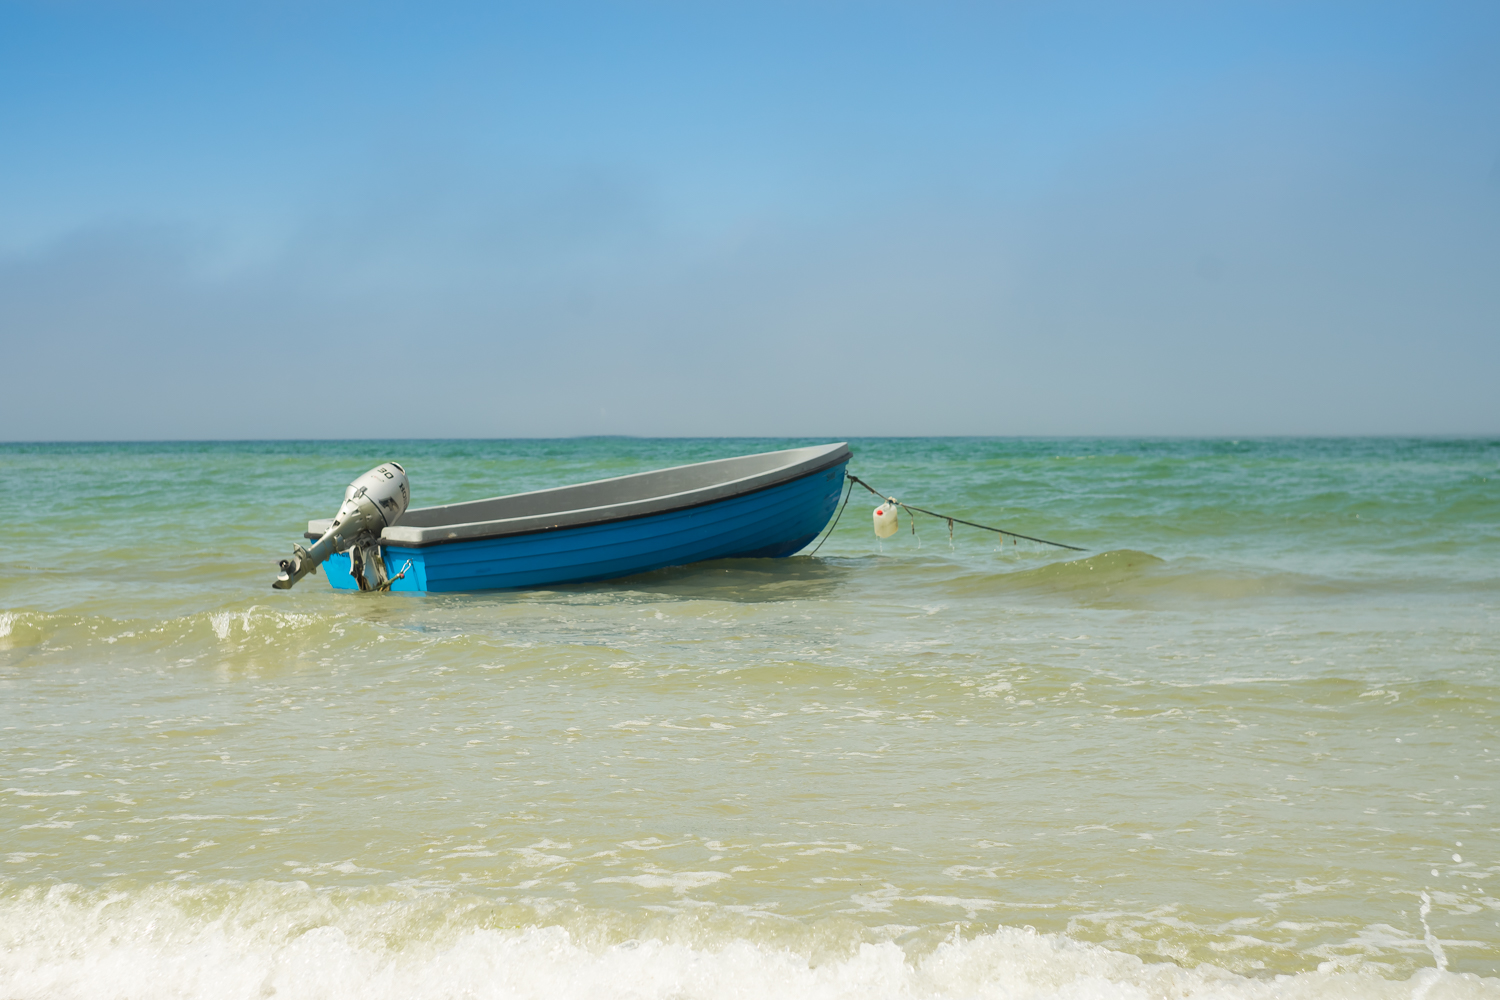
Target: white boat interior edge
point(604, 500)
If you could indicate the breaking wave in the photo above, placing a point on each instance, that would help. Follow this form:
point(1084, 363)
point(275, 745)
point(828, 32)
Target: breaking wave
point(285, 940)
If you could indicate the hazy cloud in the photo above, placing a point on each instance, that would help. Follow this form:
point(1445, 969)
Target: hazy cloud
point(1308, 243)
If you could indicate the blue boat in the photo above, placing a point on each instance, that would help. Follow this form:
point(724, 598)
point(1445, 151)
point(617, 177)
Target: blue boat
point(755, 506)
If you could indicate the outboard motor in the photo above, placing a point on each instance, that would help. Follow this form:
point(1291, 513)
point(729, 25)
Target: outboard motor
point(371, 503)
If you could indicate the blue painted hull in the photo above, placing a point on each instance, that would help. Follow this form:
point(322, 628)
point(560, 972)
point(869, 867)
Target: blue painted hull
point(773, 522)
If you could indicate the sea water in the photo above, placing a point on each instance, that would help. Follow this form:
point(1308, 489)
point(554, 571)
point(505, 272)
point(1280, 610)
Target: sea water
point(1246, 745)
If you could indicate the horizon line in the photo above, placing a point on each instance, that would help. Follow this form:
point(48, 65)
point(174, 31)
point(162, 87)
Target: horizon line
point(776, 437)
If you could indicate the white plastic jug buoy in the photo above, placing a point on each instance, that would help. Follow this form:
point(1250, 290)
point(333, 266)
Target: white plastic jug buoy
point(886, 519)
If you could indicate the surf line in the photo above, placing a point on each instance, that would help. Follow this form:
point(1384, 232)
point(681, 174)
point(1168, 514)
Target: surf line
point(942, 517)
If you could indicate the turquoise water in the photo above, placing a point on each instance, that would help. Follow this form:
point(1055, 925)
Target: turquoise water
point(1247, 745)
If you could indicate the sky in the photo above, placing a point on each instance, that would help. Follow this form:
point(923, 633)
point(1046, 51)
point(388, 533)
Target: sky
point(374, 220)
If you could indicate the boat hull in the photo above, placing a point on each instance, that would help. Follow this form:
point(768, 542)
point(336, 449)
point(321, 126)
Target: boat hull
point(773, 522)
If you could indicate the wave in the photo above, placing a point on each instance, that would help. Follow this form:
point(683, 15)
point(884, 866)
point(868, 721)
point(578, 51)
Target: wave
point(252, 637)
point(231, 941)
point(1127, 577)
point(255, 636)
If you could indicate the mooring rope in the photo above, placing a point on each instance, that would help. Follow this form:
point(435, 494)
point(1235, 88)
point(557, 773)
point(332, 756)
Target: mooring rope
point(944, 517)
point(849, 492)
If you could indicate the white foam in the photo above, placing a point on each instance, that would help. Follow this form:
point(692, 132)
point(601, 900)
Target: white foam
point(234, 941)
point(1433, 944)
point(679, 882)
point(223, 622)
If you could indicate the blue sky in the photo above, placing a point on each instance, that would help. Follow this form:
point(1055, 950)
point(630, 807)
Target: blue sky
point(331, 219)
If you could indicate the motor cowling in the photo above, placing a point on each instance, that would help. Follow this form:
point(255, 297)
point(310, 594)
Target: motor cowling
point(371, 503)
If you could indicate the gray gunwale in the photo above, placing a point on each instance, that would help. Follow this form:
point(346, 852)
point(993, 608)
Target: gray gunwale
point(641, 494)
